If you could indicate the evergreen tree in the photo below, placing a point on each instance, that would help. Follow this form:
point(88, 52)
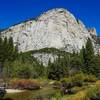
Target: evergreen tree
point(5, 49)
point(10, 48)
point(1, 49)
point(58, 69)
point(89, 51)
point(1, 55)
point(76, 63)
point(95, 66)
point(82, 58)
point(88, 55)
point(11, 45)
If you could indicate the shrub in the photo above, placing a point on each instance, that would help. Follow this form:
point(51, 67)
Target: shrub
point(64, 80)
point(78, 78)
point(58, 96)
point(90, 78)
point(93, 93)
point(76, 89)
point(57, 85)
point(24, 84)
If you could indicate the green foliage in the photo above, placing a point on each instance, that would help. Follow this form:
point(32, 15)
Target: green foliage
point(22, 68)
point(24, 65)
point(90, 78)
point(57, 69)
point(76, 63)
point(1, 49)
point(69, 64)
point(79, 77)
point(58, 96)
point(7, 50)
point(91, 62)
point(8, 53)
point(93, 93)
point(88, 55)
point(16, 69)
point(20, 65)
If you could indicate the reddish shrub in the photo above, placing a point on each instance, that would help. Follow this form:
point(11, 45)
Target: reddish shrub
point(24, 84)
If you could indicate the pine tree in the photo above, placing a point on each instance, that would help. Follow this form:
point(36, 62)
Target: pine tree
point(82, 58)
point(15, 54)
point(10, 49)
point(89, 50)
point(5, 49)
point(57, 69)
point(1, 49)
point(88, 55)
point(76, 63)
point(1, 55)
point(11, 45)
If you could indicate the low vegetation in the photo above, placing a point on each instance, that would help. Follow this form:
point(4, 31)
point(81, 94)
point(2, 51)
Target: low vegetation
point(24, 84)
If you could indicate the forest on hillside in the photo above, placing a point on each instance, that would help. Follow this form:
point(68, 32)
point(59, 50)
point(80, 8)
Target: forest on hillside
point(24, 65)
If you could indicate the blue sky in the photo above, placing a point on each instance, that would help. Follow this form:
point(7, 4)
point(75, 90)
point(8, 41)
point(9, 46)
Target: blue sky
point(15, 11)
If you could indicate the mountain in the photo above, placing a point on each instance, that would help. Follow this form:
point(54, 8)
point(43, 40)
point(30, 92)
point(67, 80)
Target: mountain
point(56, 28)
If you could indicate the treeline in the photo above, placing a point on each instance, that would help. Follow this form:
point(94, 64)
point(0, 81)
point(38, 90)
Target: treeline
point(8, 52)
point(24, 65)
point(17, 65)
point(85, 61)
point(7, 49)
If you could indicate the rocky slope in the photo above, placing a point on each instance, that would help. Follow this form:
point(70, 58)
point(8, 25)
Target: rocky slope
point(56, 28)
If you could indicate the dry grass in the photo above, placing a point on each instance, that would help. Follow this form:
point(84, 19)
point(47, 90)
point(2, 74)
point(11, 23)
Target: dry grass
point(84, 94)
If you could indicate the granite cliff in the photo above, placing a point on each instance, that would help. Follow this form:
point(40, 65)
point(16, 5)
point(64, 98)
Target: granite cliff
point(56, 28)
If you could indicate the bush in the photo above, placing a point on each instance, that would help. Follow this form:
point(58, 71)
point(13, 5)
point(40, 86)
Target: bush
point(76, 89)
point(93, 93)
point(24, 84)
point(64, 80)
point(90, 78)
point(57, 85)
point(24, 66)
point(78, 78)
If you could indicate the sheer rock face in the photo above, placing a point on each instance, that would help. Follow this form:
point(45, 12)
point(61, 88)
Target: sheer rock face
point(45, 58)
point(92, 31)
point(56, 28)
